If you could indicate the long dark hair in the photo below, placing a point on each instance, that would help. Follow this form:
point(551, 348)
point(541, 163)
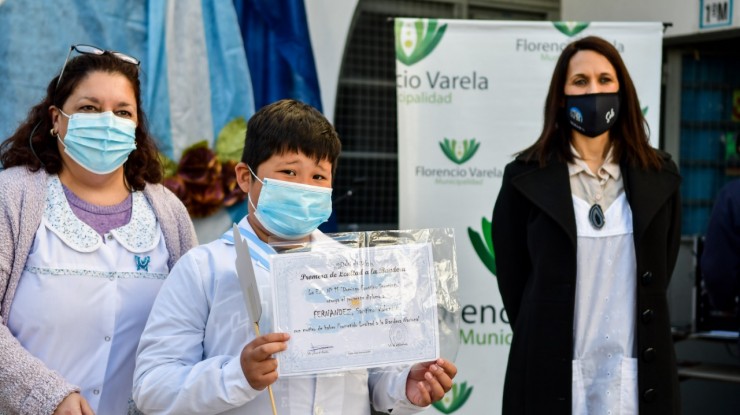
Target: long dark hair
point(629, 135)
point(143, 164)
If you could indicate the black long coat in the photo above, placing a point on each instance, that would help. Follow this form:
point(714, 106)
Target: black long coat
point(534, 237)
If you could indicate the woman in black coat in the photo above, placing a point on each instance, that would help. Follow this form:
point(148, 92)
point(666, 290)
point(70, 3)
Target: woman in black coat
point(586, 230)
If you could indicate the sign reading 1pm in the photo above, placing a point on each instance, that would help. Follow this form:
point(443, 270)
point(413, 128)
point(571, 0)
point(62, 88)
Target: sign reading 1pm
point(715, 13)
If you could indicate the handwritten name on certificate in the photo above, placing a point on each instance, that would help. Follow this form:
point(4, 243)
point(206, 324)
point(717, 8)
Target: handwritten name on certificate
point(355, 308)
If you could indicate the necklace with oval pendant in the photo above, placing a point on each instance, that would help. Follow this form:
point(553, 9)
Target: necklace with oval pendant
point(596, 216)
point(596, 213)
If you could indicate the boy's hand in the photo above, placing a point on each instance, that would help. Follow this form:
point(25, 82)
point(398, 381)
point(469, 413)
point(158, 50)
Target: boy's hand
point(428, 382)
point(258, 365)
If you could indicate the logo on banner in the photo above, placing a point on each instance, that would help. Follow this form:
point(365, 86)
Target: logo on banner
point(484, 245)
point(460, 394)
point(415, 40)
point(550, 49)
point(570, 29)
point(461, 154)
point(414, 43)
point(458, 152)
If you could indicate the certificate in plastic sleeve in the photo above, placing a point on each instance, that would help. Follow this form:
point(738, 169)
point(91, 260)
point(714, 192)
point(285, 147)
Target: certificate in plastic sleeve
point(355, 308)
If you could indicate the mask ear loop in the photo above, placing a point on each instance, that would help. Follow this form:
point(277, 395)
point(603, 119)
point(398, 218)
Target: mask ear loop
point(255, 176)
point(30, 137)
point(30, 142)
point(249, 194)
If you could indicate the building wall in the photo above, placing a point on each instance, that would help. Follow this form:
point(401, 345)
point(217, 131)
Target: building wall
point(684, 15)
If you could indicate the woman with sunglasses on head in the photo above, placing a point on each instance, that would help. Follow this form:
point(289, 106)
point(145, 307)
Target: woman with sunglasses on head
point(87, 236)
point(586, 229)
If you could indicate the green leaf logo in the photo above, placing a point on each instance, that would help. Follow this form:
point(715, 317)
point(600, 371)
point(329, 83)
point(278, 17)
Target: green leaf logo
point(450, 404)
point(460, 154)
point(484, 245)
point(414, 42)
point(570, 29)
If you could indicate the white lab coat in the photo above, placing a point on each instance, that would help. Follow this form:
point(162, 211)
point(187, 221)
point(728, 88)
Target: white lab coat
point(81, 304)
point(188, 358)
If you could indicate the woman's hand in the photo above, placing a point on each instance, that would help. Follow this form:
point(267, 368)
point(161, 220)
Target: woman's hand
point(428, 382)
point(258, 365)
point(74, 404)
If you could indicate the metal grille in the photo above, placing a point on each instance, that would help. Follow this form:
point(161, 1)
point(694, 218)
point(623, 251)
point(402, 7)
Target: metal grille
point(709, 136)
point(366, 184)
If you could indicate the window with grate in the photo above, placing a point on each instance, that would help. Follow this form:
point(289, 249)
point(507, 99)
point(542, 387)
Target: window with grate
point(710, 129)
point(366, 184)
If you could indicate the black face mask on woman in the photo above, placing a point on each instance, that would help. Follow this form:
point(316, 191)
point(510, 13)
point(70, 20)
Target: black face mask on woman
point(592, 114)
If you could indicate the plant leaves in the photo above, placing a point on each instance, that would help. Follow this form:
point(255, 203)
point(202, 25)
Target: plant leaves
point(230, 140)
point(168, 165)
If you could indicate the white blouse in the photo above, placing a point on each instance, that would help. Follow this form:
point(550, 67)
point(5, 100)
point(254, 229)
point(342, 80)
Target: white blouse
point(82, 301)
point(604, 367)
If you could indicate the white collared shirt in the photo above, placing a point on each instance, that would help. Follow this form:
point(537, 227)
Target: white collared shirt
point(81, 304)
point(602, 187)
point(188, 359)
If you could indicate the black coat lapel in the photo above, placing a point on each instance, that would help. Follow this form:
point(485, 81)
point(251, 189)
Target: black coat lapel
point(647, 191)
point(549, 189)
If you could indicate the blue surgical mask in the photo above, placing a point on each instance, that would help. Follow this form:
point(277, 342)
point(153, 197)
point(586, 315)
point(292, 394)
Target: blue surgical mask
point(99, 142)
point(291, 210)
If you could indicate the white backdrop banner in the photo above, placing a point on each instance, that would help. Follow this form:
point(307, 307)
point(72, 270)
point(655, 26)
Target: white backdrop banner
point(470, 95)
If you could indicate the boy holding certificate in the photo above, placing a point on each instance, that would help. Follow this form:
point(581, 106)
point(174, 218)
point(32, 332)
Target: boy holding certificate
point(200, 354)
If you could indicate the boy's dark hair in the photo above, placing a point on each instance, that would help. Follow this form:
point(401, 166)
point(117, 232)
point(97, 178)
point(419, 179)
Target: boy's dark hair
point(288, 126)
point(143, 164)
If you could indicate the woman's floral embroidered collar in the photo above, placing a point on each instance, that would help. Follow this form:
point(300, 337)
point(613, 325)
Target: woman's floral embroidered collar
point(140, 234)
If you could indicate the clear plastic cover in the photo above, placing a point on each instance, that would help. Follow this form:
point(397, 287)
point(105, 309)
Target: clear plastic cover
point(373, 299)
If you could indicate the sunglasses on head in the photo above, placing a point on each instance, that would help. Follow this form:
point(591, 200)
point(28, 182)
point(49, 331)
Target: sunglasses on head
point(93, 50)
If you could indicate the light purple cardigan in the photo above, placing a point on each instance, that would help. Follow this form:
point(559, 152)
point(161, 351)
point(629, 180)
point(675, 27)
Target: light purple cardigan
point(27, 386)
